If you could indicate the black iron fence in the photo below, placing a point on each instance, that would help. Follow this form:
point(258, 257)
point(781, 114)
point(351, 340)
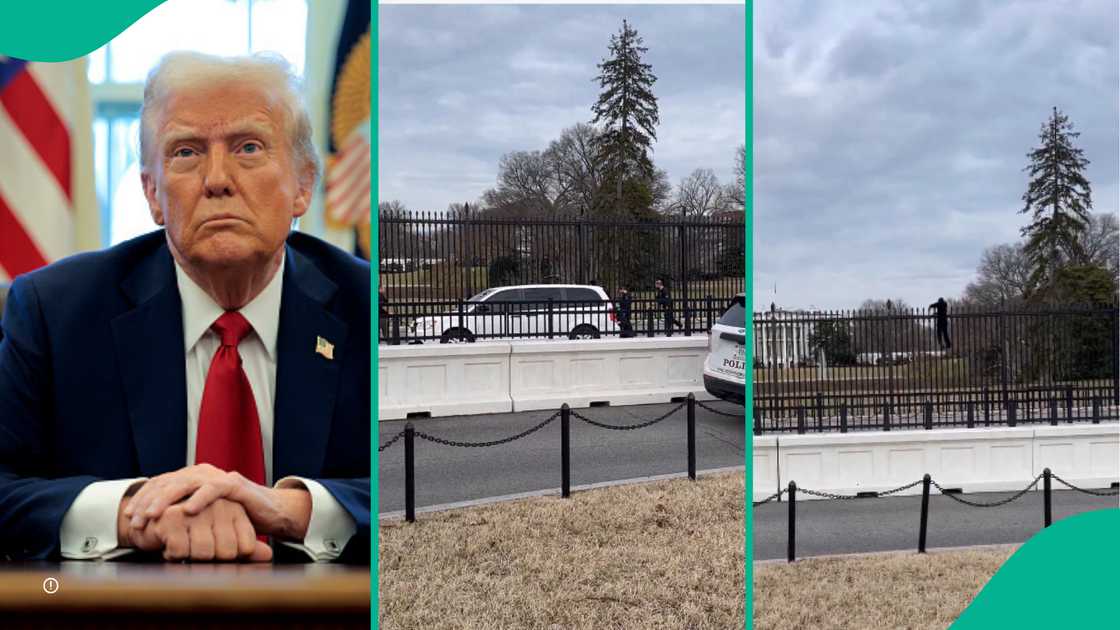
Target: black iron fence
point(456, 321)
point(840, 370)
point(434, 257)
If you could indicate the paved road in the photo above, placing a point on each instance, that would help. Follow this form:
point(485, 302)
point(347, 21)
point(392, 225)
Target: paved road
point(447, 474)
point(891, 523)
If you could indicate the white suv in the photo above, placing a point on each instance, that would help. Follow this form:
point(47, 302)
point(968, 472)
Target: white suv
point(725, 367)
point(577, 312)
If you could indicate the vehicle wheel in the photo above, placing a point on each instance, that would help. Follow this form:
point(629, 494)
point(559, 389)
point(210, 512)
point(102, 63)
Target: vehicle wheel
point(457, 335)
point(584, 331)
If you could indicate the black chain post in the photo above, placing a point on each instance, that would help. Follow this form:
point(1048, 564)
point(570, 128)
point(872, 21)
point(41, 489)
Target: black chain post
point(843, 418)
point(409, 474)
point(925, 514)
point(565, 452)
point(1046, 519)
point(692, 436)
point(791, 542)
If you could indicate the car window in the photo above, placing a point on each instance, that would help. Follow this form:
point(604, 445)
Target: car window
point(504, 295)
point(582, 295)
point(736, 313)
point(541, 295)
point(482, 296)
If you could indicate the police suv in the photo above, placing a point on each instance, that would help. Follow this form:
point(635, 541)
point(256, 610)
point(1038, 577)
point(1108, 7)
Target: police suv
point(726, 365)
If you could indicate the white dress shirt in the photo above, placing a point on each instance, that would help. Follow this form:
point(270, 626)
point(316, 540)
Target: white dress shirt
point(89, 527)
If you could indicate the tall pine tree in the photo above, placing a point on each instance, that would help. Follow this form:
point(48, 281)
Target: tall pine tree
point(1059, 200)
point(628, 110)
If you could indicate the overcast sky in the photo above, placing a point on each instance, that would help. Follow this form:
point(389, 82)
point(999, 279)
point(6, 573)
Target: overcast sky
point(890, 137)
point(460, 86)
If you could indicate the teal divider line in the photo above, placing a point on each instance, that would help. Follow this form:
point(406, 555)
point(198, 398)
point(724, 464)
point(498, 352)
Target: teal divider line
point(1065, 576)
point(61, 31)
point(375, 283)
point(748, 290)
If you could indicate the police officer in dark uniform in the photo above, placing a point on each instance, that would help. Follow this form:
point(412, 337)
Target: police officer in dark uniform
point(665, 303)
point(625, 327)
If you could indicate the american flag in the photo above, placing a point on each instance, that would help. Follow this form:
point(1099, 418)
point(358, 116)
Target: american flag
point(348, 179)
point(41, 106)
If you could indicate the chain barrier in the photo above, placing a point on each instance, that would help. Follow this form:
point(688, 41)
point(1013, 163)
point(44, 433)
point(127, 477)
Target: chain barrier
point(717, 411)
point(953, 496)
point(886, 493)
point(827, 495)
point(1073, 487)
point(390, 442)
point(627, 427)
point(770, 498)
point(439, 440)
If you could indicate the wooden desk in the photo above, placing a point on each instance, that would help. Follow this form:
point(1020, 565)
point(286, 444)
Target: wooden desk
point(242, 596)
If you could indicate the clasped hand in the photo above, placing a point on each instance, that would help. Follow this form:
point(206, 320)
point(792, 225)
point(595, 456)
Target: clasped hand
point(204, 513)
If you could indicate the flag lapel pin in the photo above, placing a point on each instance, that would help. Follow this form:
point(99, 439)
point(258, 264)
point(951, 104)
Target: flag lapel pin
point(325, 348)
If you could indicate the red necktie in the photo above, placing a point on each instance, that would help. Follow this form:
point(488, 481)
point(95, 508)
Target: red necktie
point(229, 430)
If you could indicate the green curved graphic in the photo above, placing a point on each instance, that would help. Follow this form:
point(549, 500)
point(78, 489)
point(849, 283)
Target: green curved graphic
point(1065, 576)
point(60, 31)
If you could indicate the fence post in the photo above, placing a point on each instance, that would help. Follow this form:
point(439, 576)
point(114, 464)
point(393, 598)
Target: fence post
point(1069, 403)
point(565, 451)
point(1096, 409)
point(550, 324)
point(649, 323)
point(409, 474)
point(462, 316)
point(757, 421)
point(925, 514)
point(987, 408)
point(820, 408)
point(801, 420)
point(691, 436)
point(1053, 412)
point(887, 417)
point(1011, 407)
point(708, 309)
point(395, 330)
point(843, 417)
point(971, 421)
point(1046, 496)
point(928, 413)
point(791, 540)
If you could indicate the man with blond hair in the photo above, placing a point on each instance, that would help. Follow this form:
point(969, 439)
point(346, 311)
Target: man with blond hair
point(200, 390)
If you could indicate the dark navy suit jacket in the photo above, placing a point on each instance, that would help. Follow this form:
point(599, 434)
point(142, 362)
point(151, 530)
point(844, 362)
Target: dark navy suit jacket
point(93, 383)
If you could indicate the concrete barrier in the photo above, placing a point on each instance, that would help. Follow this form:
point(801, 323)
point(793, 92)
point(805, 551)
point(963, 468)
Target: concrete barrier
point(1086, 455)
point(974, 460)
point(443, 380)
point(546, 374)
point(764, 471)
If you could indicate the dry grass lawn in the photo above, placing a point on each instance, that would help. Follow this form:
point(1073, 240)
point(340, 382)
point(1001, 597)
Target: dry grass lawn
point(897, 590)
point(660, 555)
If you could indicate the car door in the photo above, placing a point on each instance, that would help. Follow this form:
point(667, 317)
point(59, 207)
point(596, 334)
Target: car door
point(585, 306)
point(502, 312)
